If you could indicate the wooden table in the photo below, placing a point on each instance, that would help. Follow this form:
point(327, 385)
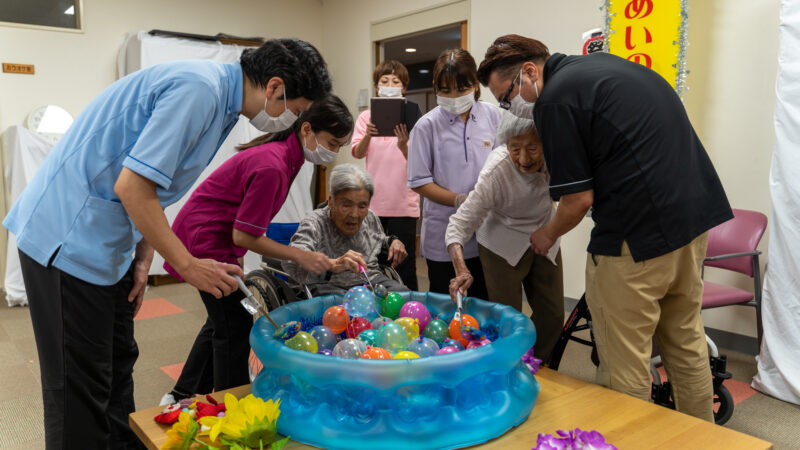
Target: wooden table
point(564, 403)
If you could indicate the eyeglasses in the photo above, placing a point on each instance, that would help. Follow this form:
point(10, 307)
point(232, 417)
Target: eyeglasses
point(504, 102)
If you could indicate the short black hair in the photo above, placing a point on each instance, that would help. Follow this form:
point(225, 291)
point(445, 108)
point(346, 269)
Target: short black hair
point(296, 62)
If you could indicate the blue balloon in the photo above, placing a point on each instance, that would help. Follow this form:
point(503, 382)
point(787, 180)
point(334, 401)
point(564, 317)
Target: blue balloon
point(452, 343)
point(423, 347)
point(359, 301)
point(326, 338)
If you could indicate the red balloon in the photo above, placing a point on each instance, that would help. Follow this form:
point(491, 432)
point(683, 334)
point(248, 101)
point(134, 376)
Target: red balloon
point(356, 326)
point(336, 318)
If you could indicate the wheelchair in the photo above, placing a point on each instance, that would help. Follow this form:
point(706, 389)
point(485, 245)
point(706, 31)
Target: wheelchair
point(661, 392)
point(272, 288)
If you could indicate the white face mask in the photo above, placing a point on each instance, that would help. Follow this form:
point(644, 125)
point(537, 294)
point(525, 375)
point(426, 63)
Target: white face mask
point(269, 124)
point(390, 91)
point(458, 105)
point(519, 106)
point(320, 155)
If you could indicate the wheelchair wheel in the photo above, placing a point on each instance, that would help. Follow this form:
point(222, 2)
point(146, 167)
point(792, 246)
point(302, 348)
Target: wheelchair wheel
point(258, 283)
point(723, 404)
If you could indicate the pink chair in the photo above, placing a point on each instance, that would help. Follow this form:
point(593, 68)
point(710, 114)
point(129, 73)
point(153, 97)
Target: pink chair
point(732, 246)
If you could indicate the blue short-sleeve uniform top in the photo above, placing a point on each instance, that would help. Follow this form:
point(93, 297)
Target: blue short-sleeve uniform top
point(165, 123)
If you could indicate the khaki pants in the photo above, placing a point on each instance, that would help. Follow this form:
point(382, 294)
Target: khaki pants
point(544, 287)
point(633, 303)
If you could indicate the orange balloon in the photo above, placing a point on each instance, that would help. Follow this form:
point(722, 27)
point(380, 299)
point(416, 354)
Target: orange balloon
point(455, 328)
point(376, 353)
point(336, 318)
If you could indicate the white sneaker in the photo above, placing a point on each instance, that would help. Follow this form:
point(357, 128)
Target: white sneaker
point(167, 399)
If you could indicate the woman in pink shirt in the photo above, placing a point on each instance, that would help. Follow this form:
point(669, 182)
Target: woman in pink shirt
point(228, 214)
point(396, 205)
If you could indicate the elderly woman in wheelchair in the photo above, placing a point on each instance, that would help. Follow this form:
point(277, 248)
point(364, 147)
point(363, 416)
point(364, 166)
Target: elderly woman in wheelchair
point(347, 232)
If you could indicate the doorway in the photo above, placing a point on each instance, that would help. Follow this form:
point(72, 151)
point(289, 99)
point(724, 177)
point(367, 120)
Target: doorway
point(418, 52)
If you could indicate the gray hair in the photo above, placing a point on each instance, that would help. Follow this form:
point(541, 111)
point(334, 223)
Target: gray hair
point(510, 126)
point(346, 177)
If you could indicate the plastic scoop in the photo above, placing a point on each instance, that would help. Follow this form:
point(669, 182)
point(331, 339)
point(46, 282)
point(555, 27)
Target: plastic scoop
point(252, 306)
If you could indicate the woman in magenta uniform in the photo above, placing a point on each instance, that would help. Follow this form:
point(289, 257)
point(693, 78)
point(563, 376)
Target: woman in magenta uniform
point(228, 214)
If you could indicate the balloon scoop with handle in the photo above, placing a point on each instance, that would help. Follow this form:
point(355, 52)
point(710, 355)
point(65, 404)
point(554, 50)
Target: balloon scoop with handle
point(252, 306)
point(467, 332)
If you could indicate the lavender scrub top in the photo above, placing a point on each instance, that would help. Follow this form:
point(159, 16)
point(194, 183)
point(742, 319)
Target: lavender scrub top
point(244, 193)
point(446, 151)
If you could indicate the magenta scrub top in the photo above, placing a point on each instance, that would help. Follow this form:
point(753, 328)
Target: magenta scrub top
point(244, 193)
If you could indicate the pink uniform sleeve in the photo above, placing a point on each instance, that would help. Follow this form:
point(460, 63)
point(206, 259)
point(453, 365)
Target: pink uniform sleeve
point(264, 193)
point(359, 130)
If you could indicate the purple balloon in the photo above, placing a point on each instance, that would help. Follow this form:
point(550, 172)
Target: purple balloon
point(326, 352)
point(446, 350)
point(476, 344)
point(416, 310)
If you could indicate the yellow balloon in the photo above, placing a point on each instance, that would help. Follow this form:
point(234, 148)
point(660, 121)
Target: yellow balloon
point(411, 327)
point(405, 354)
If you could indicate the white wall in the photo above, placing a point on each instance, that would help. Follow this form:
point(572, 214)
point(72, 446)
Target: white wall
point(72, 68)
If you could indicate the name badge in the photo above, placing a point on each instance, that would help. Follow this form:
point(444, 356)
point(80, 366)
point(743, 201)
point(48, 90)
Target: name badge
point(487, 144)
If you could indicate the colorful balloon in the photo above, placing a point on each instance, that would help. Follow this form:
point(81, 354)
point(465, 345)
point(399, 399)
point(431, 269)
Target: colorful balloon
point(380, 321)
point(446, 350)
point(452, 343)
point(405, 354)
point(359, 301)
point(376, 353)
point(368, 336)
point(436, 330)
point(326, 338)
point(410, 326)
point(349, 348)
point(392, 337)
point(423, 346)
point(356, 326)
point(302, 341)
point(391, 305)
point(416, 310)
point(455, 328)
point(336, 318)
point(381, 291)
point(472, 334)
point(480, 343)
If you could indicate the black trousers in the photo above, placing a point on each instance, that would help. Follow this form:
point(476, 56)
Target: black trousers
point(219, 356)
point(405, 228)
point(440, 273)
point(84, 337)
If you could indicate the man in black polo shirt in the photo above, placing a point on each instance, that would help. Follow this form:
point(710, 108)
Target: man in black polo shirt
point(616, 138)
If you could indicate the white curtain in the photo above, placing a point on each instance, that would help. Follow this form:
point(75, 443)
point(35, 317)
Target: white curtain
point(779, 360)
point(23, 153)
point(140, 50)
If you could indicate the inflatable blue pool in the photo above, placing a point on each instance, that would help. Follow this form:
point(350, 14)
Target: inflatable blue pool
point(444, 401)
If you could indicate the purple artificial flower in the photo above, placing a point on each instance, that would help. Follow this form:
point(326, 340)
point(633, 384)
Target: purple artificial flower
point(531, 361)
point(573, 440)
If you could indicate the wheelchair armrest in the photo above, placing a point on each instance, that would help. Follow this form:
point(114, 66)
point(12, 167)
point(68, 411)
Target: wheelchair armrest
point(732, 255)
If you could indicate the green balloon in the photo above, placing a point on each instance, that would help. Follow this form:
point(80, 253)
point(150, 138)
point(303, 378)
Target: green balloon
point(392, 337)
point(437, 330)
point(391, 305)
point(368, 336)
point(302, 341)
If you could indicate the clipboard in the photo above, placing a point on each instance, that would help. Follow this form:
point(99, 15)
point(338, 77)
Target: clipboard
point(386, 113)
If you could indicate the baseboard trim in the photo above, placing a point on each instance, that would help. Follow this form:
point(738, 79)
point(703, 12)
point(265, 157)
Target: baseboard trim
point(724, 339)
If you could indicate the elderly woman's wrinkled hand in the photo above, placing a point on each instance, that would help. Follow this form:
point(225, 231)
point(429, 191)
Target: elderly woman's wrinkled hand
point(397, 252)
point(460, 283)
point(349, 261)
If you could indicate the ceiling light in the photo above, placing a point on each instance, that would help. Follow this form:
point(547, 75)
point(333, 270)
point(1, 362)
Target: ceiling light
point(424, 71)
point(410, 50)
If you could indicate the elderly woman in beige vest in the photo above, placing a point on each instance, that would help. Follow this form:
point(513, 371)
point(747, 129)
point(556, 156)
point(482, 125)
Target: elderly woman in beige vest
point(511, 200)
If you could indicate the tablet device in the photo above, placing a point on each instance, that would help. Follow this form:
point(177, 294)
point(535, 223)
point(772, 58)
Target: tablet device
point(386, 113)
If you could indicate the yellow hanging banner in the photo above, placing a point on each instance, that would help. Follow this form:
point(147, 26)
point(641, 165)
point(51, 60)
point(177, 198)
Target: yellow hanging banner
point(651, 33)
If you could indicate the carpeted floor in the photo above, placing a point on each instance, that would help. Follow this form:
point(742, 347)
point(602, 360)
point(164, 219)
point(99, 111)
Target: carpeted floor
point(173, 314)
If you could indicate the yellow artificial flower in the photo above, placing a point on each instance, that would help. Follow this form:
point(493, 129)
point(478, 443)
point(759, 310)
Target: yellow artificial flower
point(250, 421)
point(181, 435)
